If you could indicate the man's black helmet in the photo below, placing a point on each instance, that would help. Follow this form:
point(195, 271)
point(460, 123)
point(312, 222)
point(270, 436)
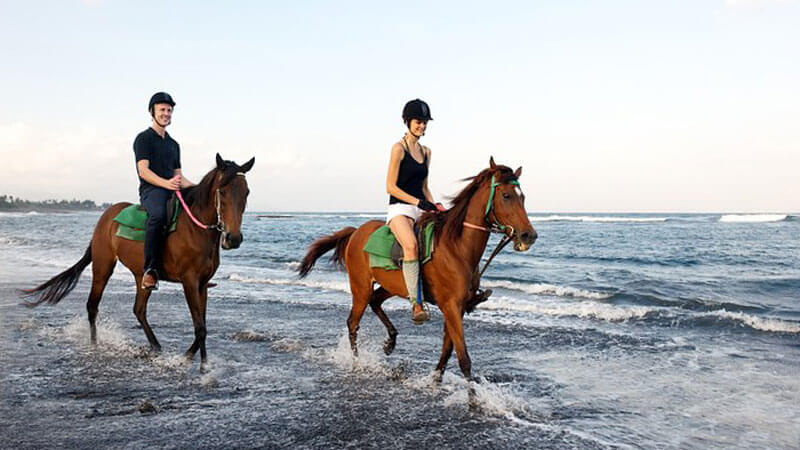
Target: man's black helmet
point(416, 109)
point(160, 97)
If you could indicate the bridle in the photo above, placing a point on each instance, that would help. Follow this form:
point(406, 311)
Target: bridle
point(490, 218)
point(220, 225)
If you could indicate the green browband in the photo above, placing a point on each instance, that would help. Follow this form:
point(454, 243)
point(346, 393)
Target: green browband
point(490, 204)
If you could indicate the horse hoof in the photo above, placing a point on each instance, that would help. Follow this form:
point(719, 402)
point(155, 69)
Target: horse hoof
point(472, 398)
point(155, 349)
point(388, 347)
point(437, 376)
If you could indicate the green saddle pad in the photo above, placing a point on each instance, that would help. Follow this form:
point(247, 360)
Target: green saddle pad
point(132, 221)
point(379, 247)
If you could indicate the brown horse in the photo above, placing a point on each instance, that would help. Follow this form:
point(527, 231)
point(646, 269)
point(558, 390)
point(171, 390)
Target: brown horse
point(191, 253)
point(490, 202)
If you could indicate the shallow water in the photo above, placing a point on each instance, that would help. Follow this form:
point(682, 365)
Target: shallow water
point(632, 331)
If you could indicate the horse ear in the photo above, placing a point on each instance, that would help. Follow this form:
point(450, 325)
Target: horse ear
point(518, 172)
point(492, 165)
point(248, 165)
point(220, 162)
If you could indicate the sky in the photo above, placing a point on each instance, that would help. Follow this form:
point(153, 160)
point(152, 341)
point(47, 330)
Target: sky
point(613, 106)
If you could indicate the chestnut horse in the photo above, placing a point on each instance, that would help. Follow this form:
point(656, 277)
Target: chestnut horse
point(190, 256)
point(490, 202)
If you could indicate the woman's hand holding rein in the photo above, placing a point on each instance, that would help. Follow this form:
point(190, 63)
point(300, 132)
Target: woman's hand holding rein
point(425, 205)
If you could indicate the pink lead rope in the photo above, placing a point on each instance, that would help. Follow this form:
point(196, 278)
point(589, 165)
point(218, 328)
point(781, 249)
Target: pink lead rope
point(189, 211)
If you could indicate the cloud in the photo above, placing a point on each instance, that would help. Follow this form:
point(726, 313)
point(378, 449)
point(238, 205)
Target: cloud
point(60, 162)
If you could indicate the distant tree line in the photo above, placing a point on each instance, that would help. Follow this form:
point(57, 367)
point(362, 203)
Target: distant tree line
point(11, 203)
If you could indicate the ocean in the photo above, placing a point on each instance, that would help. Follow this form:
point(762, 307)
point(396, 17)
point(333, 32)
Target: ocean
point(612, 331)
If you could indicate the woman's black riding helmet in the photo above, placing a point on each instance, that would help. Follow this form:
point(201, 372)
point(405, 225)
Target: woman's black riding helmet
point(416, 109)
point(160, 97)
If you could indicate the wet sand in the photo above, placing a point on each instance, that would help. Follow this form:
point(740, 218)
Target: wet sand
point(282, 379)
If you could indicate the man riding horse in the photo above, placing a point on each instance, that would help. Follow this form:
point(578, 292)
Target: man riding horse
point(158, 164)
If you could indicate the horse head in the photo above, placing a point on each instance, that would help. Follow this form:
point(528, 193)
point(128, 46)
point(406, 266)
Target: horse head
point(505, 207)
point(230, 199)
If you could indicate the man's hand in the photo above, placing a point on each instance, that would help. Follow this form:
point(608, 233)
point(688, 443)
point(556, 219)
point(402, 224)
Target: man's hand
point(174, 183)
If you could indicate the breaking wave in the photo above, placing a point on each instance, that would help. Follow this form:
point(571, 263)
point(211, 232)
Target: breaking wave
point(753, 218)
point(545, 289)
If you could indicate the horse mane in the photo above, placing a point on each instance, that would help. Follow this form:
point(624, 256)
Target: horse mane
point(200, 194)
point(451, 222)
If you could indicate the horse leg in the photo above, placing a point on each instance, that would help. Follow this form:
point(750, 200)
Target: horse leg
point(453, 316)
point(140, 310)
point(378, 297)
point(203, 304)
point(447, 350)
point(192, 292)
point(454, 329)
point(102, 268)
point(362, 293)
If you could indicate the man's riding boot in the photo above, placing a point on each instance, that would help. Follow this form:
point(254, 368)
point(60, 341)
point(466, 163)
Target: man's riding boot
point(150, 280)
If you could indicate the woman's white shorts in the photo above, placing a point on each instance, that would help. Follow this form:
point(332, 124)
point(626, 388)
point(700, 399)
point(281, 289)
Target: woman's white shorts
point(402, 209)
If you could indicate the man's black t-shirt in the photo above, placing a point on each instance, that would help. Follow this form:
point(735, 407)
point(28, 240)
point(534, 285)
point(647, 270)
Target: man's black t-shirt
point(164, 155)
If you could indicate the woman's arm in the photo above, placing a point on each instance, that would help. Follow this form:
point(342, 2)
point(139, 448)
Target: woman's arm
point(425, 190)
point(394, 172)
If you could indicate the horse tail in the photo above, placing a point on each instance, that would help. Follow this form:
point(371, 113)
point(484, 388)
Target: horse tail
point(337, 240)
point(56, 288)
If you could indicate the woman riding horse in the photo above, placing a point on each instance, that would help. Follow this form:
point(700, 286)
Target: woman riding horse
point(409, 196)
point(491, 202)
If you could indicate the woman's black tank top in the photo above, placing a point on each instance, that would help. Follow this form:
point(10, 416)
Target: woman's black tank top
point(411, 176)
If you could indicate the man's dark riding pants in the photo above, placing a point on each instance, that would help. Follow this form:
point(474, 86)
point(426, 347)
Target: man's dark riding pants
point(154, 201)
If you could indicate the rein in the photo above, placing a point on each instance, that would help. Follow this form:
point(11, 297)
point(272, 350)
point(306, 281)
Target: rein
point(220, 225)
point(494, 225)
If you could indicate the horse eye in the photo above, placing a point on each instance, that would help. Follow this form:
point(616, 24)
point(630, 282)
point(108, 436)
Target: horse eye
point(506, 195)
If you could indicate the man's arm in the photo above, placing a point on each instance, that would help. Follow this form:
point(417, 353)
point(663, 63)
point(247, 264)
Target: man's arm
point(143, 167)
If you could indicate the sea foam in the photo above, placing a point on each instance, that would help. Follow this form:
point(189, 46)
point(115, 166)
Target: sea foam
point(329, 285)
point(545, 289)
point(585, 309)
point(753, 218)
point(759, 323)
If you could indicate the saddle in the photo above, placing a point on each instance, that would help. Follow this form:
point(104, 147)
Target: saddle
point(132, 220)
point(386, 253)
